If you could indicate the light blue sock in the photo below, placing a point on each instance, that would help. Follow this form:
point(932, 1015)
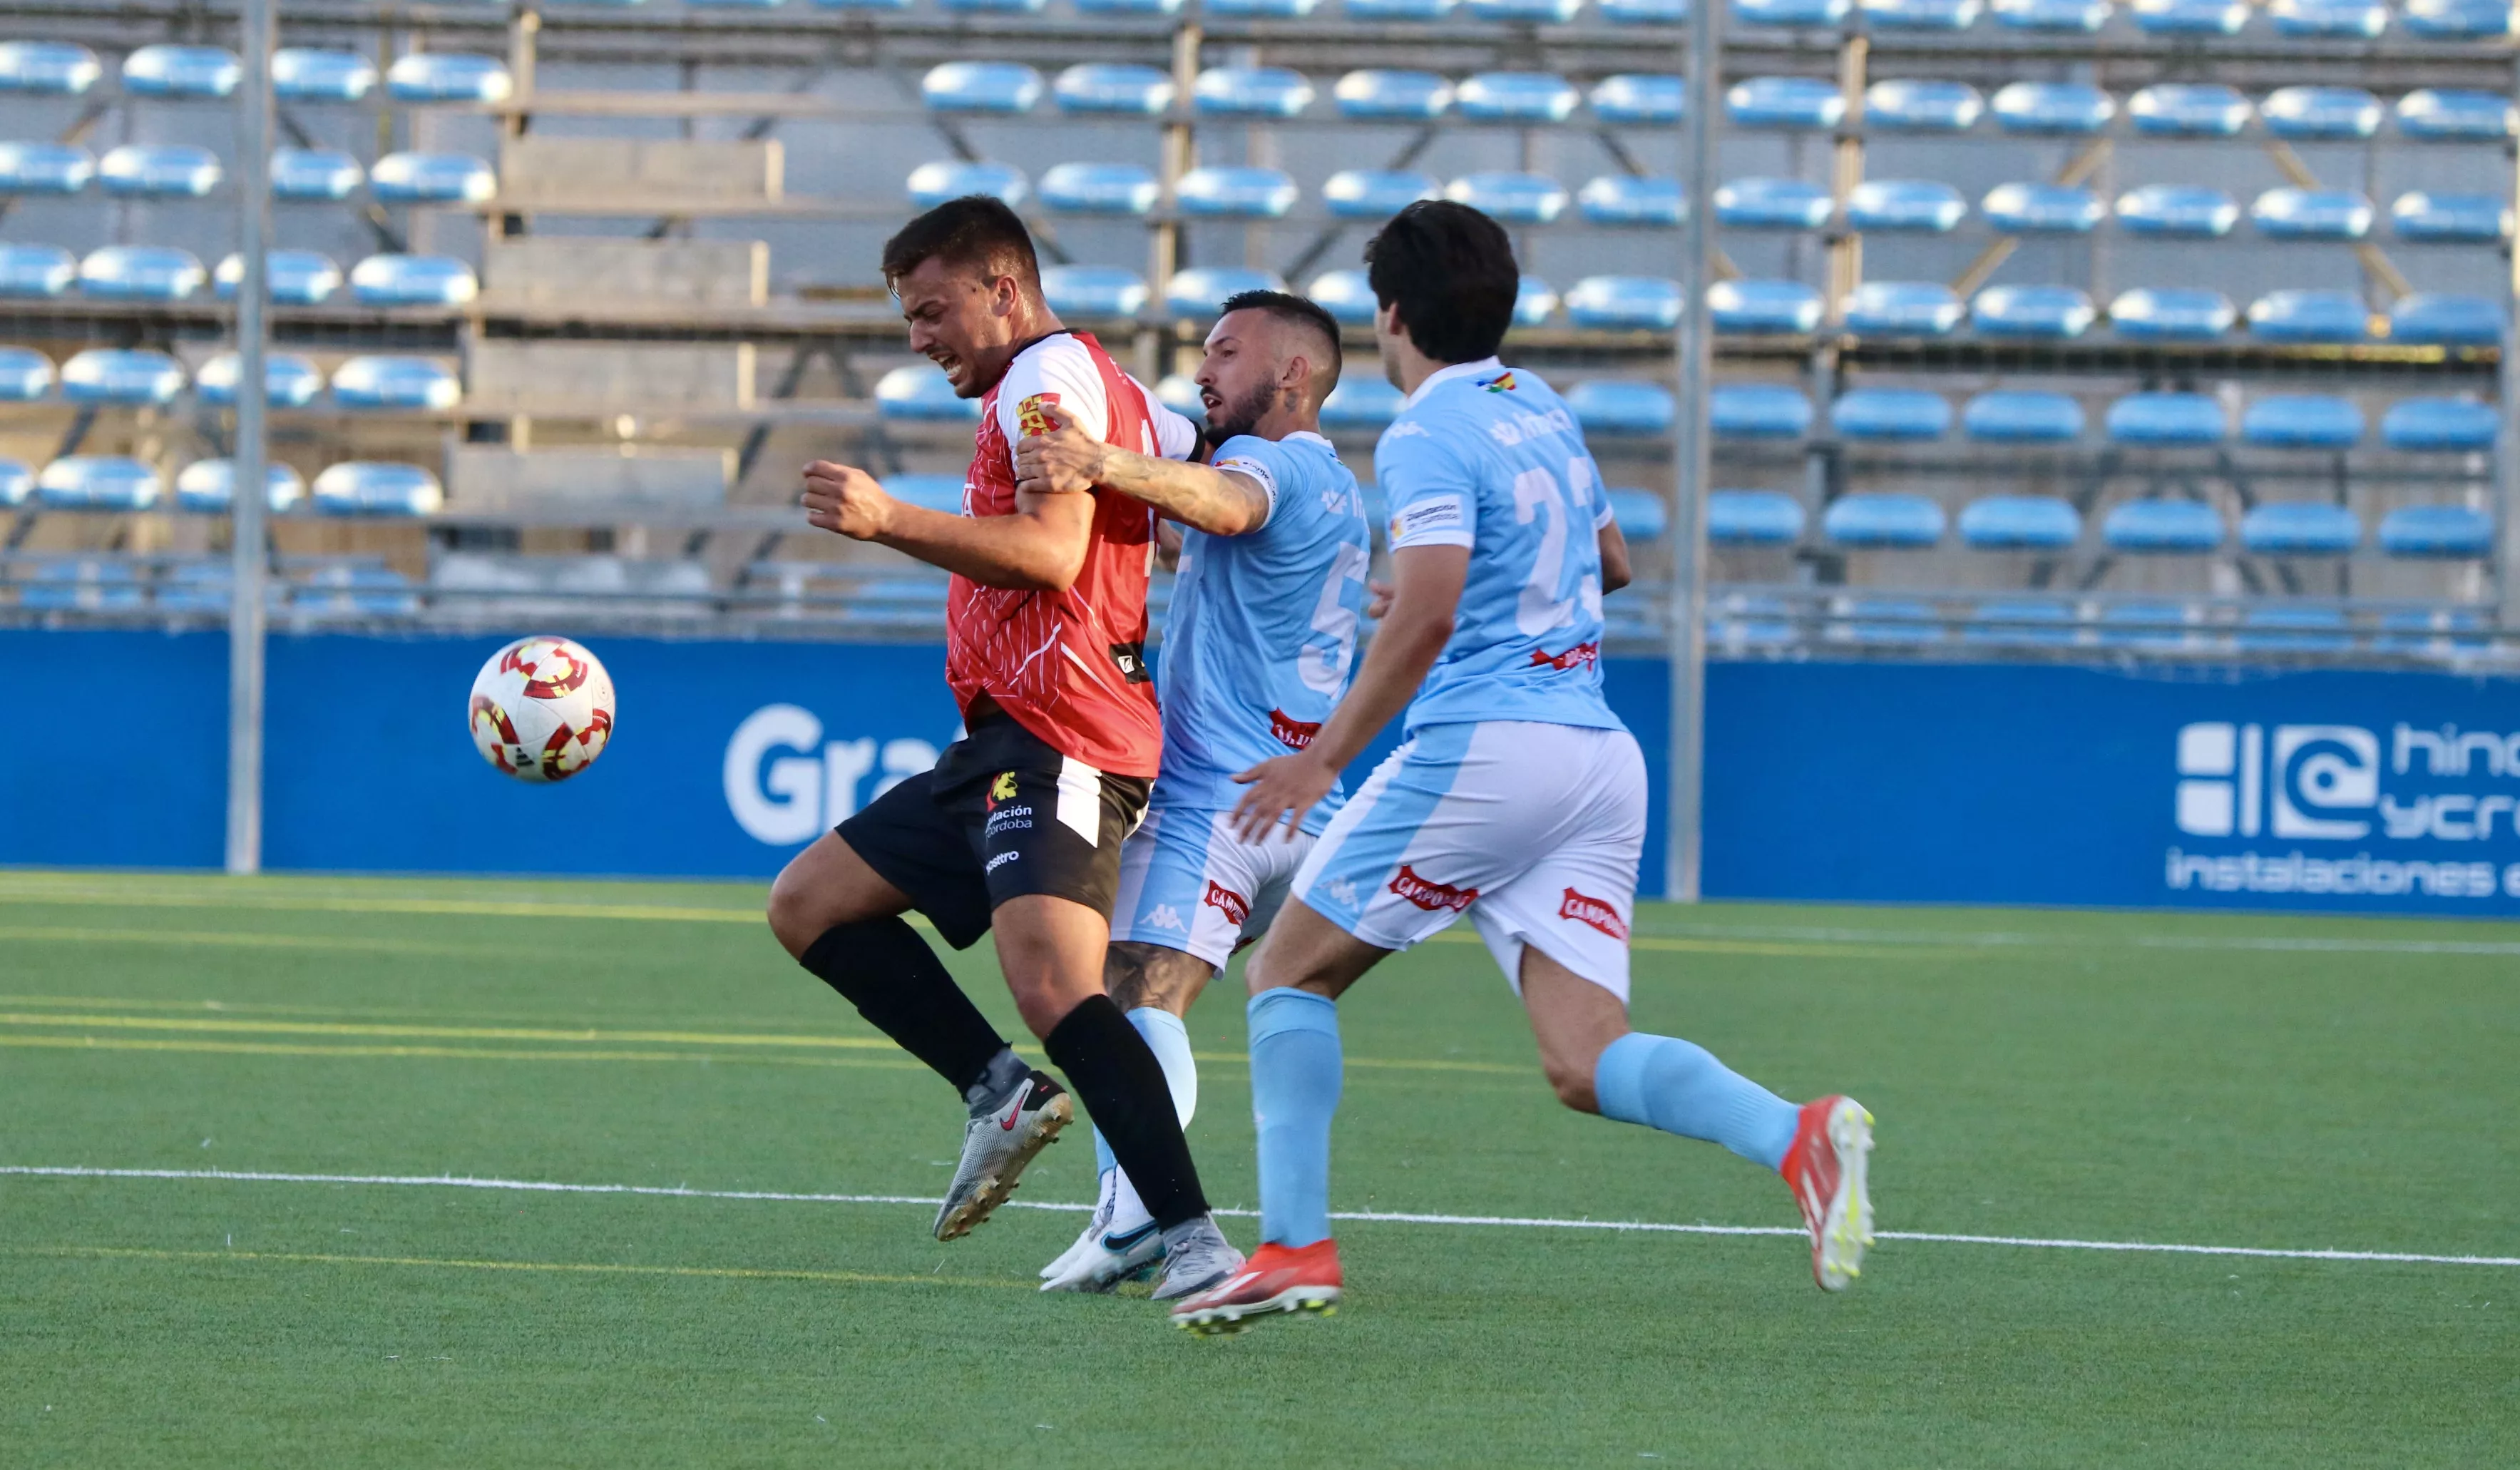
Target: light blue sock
point(1169, 1039)
point(1294, 1093)
point(1677, 1086)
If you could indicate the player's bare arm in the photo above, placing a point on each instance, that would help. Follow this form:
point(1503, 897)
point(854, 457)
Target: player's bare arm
point(1426, 593)
point(1615, 571)
point(1039, 548)
point(1068, 460)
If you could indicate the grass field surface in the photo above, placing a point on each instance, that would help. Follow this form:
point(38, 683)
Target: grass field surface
point(2269, 1083)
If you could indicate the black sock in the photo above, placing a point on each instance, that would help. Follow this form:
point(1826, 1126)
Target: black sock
point(1122, 1087)
point(884, 969)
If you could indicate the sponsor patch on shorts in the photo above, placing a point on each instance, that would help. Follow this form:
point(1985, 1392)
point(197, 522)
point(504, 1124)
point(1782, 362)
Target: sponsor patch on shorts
point(1429, 895)
point(1599, 913)
point(1228, 903)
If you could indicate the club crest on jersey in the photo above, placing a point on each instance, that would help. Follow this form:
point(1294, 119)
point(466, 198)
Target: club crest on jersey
point(1501, 382)
point(1003, 788)
point(1032, 416)
point(1584, 908)
point(1429, 895)
point(1580, 656)
point(1292, 733)
point(1228, 903)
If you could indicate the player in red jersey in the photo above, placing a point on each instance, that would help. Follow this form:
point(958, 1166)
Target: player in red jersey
point(1018, 828)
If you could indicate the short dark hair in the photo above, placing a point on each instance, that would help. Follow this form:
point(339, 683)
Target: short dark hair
point(1449, 272)
point(1301, 312)
point(976, 232)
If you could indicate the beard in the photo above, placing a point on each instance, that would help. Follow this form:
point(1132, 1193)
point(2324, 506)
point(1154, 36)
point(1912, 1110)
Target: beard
point(1230, 418)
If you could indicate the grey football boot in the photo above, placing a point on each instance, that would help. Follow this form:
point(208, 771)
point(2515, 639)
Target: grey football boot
point(1001, 1138)
point(1196, 1257)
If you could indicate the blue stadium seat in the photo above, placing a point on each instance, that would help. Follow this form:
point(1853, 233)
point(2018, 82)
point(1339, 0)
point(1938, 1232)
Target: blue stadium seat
point(922, 391)
point(2433, 624)
point(1361, 401)
point(448, 76)
point(416, 385)
point(2457, 19)
point(1772, 204)
point(371, 488)
point(2223, 17)
point(1376, 193)
point(1093, 291)
point(931, 184)
point(98, 483)
point(1903, 414)
point(1236, 193)
point(2177, 209)
point(1534, 302)
point(140, 272)
point(1762, 307)
point(1758, 411)
point(1344, 295)
point(402, 178)
point(1113, 87)
point(2306, 630)
point(1623, 199)
point(2431, 316)
point(1087, 7)
point(36, 271)
point(1528, 11)
point(2309, 316)
point(207, 487)
point(1921, 14)
point(1807, 13)
point(1638, 11)
point(165, 71)
point(2436, 530)
point(1605, 405)
point(1903, 308)
point(26, 376)
point(1252, 92)
point(2363, 18)
point(1784, 102)
point(2189, 109)
point(2174, 313)
point(2020, 522)
point(2163, 526)
point(2052, 15)
point(2165, 418)
point(2321, 113)
point(371, 589)
point(1392, 94)
point(1099, 189)
point(124, 377)
point(1742, 621)
point(1284, 10)
point(1639, 97)
point(2302, 421)
point(2018, 416)
point(1753, 517)
point(2020, 622)
point(2032, 311)
point(1924, 107)
point(933, 493)
point(1882, 519)
point(1181, 394)
point(95, 584)
point(1641, 515)
point(2042, 209)
point(314, 173)
point(1624, 302)
point(1514, 198)
point(44, 168)
point(296, 278)
point(2052, 107)
point(1905, 204)
point(1516, 97)
point(976, 7)
point(2422, 216)
point(289, 380)
point(302, 73)
point(2300, 528)
point(2439, 424)
point(2311, 214)
point(58, 67)
point(1198, 292)
point(163, 169)
point(980, 87)
point(2436, 114)
point(391, 280)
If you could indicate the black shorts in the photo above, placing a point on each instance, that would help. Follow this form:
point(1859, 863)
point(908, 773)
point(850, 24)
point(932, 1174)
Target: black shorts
point(1001, 815)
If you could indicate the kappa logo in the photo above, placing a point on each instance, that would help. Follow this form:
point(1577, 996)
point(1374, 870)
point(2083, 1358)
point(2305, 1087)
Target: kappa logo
point(1003, 788)
point(1580, 656)
point(1342, 892)
point(1031, 414)
point(1429, 895)
point(1228, 903)
point(1584, 908)
point(1292, 733)
point(1164, 916)
point(1405, 428)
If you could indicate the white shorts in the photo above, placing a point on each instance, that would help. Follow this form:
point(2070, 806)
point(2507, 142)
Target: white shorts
point(1533, 828)
point(1188, 882)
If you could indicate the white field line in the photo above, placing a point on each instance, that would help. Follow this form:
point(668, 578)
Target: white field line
point(1382, 1216)
point(2002, 940)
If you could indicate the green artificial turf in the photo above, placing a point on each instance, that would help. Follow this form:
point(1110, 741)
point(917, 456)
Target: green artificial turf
point(2086, 1077)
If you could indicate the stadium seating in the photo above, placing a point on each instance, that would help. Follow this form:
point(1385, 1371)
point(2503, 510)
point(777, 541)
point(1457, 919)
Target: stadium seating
point(931, 184)
point(1880, 519)
point(1635, 98)
point(36, 271)
point(1790, 103)
point(1758, 411)
point(2427, 217)
point(1772, 203)
point(1093, 291)
point(2020, 522)
point(1250, 92)
point(2432, 114)
point(2052, 15)
point(1626, 199)
point(2052, 107)
point(207, 487)
point(2436, 530)
point(2172, 210)
point(1107, 87)
point(44, 168)
point(17, 483)
point(301, 74)
point(2456, 20)
point(97, 482)
point(2303, 421)
point(1611, 408)
point(1344, 295)
point(2311, 214)
point(366, 488)
point(1201, 292)
point(140, 272)
point(1641, 515)
point(2052, 311)
point(1392, 94)
point(2300, 528)
point(2022, 622)
point(1515, 97)
point(1921, 14)
point(2172, 313)
point(1906, 105)
point(1922, 309)
point(127, 377)
point(294, 278)
point(1535, 302)
point(2016, 416)
point(61, 584)
point(289, 380)
point(1890, 413)
point(923, 392)
point(1376, 193)
point(1361, 402)
point(2321, 113)
point(1099, 189)
point(412, 384)
point(2309, 316)
point(2043, 209)
point(396, 280)
point(167, 70)
point(2163, 528)
point(1240, 192)
point(2189, 17)
point(26, 376)
point(1905, 204)
point(158, 169)
point(58, 67)
point(1757, 306)
point(2165, 418)
point(2360, 19)
point(314, 173)
point(2439, 424)
point(433, 178)
point(1753, 517)
point(1514, 198)
point(2447, 318)
point(448, 76)
point(2195, 108)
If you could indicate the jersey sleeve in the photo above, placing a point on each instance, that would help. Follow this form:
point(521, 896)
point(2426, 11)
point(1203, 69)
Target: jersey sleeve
point(1059, 371)
point(1597, 490)
point(1259, 461)
point(1432, 492)
point(1176, 435)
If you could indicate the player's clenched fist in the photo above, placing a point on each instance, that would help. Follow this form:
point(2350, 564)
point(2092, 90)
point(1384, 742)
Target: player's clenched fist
point(846, 500)
point(1066, 460)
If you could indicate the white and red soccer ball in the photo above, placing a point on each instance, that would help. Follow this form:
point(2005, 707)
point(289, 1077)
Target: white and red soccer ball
point(542, 710)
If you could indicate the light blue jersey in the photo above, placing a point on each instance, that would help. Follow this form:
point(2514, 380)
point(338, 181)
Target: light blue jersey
point(1489, 457)
point(1261, 635)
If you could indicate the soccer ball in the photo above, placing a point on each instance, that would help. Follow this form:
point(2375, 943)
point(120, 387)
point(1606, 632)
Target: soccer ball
point(542, 710)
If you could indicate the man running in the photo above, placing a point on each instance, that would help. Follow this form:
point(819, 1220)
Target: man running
point(1019, 827)
point(1257, 646)
point(1518, 798)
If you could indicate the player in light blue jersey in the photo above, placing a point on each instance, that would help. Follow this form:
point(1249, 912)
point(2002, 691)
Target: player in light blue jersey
point(1517, 797)
point(1274, 548)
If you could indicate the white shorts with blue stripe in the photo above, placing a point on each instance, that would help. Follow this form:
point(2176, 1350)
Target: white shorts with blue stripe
point(1188, 882)
point(1534, 830)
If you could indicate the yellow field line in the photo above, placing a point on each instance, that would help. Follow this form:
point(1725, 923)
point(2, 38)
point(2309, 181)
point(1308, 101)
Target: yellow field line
point(570, 1267)
point(445, 1033)
point(313, 903)
point(243, 939)
point(465, 1053)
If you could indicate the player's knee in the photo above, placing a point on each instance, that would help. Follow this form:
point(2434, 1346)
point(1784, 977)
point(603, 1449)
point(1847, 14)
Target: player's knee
point(1143, 975)
point(1572, 1083)
point(799, 912)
